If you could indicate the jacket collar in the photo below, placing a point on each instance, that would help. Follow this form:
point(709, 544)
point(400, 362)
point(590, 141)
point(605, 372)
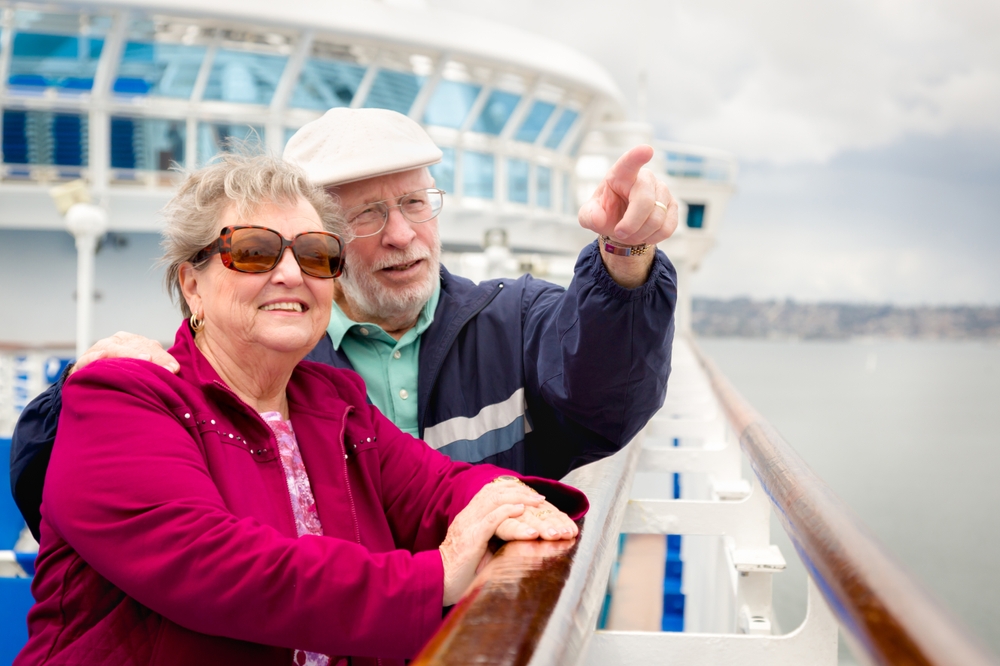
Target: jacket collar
point(306, 380)
point(195, 368)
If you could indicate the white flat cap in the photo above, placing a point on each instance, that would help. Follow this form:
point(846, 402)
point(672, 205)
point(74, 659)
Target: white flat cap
point(346, 145)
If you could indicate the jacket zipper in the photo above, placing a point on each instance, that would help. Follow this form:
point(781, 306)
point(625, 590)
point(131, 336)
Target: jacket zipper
point(347, 480)
point(288, 494)
point(350, 495)
point(274, 442)
point(452, 334)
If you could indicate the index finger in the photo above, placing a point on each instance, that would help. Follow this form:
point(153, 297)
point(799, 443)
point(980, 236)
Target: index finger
point(622, 175)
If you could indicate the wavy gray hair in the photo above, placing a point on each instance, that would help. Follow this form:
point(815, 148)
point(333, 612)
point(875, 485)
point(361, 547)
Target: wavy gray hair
point(246, 181)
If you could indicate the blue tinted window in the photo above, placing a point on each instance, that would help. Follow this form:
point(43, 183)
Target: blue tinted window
point(450, 104)
point(325, 84)
point(61, 61)
point(543, 193)
point(394, 90)
point(444, 171)
point(517, 181)
point(696, 216)
point(15, 137)
point(496, 113)
point(42, 137)
point(477, 171)
point(168, 70)
point(534, 122)
point(562, 126)
point(247, 78)
point(148, 144)
point(213, 138)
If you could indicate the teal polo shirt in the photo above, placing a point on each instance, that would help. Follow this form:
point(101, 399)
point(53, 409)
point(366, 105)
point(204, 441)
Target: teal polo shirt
point(388, 366)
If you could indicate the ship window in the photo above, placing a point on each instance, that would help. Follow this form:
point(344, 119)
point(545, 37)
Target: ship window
point(543, 183)
point(517, 181)
point(450, 103)
point(534, 122)
point(496, 112)
point(444, 171)
point(42, 137)
point(213, 138)
point(696, 216)
point(561, 128)
point(167, 70)
point(685, 166)
point(326, 84)
point(394, 90)
point(246, 78)
point(147, 144)
point(41, 61)
point(477, 172)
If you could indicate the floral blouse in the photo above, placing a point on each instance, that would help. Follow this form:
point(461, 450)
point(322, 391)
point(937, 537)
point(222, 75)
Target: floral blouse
point(303, 503)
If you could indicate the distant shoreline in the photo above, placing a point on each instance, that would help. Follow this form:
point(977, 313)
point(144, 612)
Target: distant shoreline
point(793, 321)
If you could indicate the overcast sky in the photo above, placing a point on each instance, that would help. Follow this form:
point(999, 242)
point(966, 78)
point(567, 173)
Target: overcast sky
point(868, 133)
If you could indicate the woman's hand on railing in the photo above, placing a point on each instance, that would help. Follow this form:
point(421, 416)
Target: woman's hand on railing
point(465, 545)
point(543, 521)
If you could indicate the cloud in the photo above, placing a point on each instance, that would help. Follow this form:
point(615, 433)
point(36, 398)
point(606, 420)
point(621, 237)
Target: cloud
point(785, 81)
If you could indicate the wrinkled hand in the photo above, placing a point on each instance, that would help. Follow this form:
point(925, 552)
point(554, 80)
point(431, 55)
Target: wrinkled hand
point(464, 546)
point(624, 205)
point(127, 345)
point(543, 521)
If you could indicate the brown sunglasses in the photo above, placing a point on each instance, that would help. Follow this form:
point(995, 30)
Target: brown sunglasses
point(252, 249)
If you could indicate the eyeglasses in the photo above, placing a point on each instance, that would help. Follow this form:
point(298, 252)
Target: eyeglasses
point(251, 249)
point(417, 207)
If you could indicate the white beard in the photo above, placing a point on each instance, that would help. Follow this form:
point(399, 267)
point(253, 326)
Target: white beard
point(392, 307)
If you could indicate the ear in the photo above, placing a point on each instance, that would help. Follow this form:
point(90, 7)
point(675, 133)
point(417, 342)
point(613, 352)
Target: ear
point(190, 283)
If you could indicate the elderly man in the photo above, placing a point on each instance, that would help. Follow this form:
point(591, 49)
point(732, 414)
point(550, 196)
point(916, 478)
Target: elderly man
point(519, 373)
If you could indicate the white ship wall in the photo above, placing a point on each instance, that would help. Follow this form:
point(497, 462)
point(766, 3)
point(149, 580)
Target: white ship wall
point(38, 283)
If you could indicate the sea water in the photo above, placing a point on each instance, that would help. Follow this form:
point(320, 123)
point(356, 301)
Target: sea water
point(907, 433)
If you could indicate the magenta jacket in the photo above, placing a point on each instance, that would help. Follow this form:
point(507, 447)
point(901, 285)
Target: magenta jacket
point(168, 535)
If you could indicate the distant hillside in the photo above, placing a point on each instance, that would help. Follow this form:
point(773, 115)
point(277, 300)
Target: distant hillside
point(741, 317)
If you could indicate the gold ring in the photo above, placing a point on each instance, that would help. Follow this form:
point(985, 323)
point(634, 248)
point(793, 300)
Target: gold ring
point(661, 205)
point(542, 513)
point(507, 477)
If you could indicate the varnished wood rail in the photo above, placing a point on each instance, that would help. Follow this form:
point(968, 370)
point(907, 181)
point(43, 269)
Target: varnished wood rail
point(538, 602)
point(885, 613)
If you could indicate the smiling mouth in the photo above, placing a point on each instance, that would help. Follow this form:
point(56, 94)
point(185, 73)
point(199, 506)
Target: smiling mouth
point(284, 307)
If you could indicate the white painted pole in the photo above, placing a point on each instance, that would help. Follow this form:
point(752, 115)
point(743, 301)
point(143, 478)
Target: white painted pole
point(87, 223)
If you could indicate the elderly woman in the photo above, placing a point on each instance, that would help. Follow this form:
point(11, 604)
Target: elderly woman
point(254, 508)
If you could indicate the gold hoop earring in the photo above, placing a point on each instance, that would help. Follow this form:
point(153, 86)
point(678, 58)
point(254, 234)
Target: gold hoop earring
point(197, 325)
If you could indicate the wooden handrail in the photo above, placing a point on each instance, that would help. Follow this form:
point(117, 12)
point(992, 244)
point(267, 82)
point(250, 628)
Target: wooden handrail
point(886, 614)
point(537, 601)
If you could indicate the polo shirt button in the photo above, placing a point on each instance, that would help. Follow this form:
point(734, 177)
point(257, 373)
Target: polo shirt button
point(403, 394)
point(364, 331)
point(396, 354)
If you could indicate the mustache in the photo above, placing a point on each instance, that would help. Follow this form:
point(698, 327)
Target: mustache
point(407, 256)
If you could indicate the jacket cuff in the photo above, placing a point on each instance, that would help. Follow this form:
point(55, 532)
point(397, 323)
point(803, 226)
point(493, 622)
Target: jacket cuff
point(590, 261)
point(569, 500)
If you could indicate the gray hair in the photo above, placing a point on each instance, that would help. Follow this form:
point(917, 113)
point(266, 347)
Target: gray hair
point(241, 180)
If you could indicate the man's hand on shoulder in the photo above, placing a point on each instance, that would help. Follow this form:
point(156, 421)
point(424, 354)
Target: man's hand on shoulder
point(127, 345)
point(631, 206)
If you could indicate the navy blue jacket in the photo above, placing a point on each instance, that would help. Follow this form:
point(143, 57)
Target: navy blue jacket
point(518, 373)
